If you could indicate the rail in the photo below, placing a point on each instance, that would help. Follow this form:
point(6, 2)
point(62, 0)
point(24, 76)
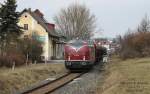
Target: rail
point(51, 86)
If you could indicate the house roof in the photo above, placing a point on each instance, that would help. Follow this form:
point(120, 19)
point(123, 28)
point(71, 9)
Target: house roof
point(39, 17)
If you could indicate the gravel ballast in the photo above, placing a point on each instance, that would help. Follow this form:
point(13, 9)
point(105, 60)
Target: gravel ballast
point(86, 84)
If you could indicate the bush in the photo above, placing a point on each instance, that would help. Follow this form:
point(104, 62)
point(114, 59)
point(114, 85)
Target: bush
point(8, 60)
point(2, 60)
point(17, 52)
point(32, 48)
point(135, 45)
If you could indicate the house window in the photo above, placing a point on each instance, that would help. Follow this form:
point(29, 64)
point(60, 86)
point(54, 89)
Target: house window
point(25, 36)
point(25, 26)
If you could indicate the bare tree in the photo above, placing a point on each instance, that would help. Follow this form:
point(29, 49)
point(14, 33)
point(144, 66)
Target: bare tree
point(76, 21)
point(144, 25)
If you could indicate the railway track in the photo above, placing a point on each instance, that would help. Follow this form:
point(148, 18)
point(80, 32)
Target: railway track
point(49, 87)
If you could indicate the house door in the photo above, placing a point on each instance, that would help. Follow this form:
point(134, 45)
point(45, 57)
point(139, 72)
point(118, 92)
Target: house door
point(54, 48)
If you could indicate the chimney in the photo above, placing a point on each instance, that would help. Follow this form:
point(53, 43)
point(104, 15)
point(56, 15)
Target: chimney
point(50, 26)
point(29, 9)
point(39, 13)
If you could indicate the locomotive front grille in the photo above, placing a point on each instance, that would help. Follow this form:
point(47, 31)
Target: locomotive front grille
point(78, 63)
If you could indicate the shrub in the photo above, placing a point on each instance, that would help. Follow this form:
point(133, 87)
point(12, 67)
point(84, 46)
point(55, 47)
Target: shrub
point(32, 48)
point(17, 52)
point(135, 45)
point(2, 60)
point(10, 58)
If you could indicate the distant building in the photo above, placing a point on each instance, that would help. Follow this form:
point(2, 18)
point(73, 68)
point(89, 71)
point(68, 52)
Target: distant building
point(110, 45)
point(33, 22)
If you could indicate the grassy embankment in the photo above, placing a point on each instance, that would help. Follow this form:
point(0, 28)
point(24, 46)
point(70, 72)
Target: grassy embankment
point(26, 76)
point(126, 77)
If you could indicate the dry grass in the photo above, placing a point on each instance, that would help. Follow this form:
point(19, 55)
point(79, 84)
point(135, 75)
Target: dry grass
point(11, 81)
point(126, 77)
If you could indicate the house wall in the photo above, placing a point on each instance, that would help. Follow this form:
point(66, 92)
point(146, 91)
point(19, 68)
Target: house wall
point(59, 51)
point(35, 27)
point(50, 51)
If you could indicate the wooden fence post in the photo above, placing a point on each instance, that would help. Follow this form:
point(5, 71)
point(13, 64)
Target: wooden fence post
point(35, 62)
point(13, 66)
point(45, 61)
point(27, 60)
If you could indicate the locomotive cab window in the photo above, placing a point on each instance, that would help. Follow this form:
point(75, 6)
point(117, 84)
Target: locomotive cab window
point(76, 43)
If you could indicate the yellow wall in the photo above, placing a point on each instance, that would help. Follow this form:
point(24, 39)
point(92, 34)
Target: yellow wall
point(33, 26)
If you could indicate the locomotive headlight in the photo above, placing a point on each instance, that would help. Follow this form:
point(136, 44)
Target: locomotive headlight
point(68, 57)
point(83, 57)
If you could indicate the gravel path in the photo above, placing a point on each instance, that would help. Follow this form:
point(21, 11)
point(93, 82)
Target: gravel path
point(86, 84)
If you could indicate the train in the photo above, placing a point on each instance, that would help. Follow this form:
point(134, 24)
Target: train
point(82, 54)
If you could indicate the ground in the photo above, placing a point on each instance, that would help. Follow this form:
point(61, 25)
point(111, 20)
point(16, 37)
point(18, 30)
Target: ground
point(115, 77)
point(12, 80)
point(126, 77)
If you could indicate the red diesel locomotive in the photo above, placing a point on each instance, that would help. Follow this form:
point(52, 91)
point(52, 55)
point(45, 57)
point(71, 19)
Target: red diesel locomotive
point(80, 54)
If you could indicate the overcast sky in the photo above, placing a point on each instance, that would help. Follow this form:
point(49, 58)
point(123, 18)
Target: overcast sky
point(113, 16)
